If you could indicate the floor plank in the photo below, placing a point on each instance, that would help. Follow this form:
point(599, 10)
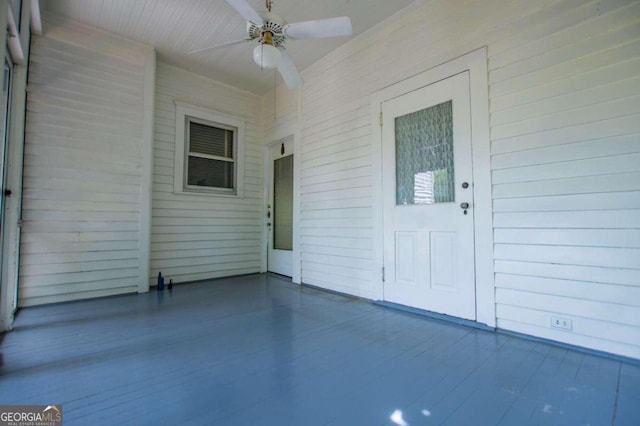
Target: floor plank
point(259, 350)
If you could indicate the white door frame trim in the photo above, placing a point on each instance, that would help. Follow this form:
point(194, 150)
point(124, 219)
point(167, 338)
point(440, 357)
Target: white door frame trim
point(295, 267)
point(476, 63)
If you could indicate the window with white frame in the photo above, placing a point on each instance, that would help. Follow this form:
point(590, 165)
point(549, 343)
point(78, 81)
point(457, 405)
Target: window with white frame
point(209, 147)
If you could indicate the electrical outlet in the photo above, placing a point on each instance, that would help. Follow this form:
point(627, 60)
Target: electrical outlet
point(560, 322)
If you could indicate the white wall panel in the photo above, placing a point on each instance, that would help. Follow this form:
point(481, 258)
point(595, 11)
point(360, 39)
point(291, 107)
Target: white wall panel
point(82, 160)
point(565, 173)
point(196, 236)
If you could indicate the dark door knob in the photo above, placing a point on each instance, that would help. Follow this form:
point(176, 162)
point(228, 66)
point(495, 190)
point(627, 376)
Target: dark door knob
point(464, 205)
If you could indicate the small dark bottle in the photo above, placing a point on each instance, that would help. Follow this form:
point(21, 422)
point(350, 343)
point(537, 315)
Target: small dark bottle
point(160, 281)
point(170, 286)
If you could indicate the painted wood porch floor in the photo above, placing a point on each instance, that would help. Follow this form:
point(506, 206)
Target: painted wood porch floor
point(257, 350)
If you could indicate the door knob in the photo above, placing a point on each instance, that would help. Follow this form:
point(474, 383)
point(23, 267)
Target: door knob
point(464, 206)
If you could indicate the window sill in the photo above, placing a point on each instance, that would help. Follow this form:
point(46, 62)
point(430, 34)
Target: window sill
point(208, 193)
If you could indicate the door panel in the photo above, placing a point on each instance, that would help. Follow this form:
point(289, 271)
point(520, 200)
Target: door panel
point(283, 203)
point(427, 175)
point(443, 260)
point(406, 257)
point(280, 208)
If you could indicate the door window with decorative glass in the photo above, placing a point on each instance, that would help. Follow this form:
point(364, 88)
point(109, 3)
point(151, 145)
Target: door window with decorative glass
point(424, 156)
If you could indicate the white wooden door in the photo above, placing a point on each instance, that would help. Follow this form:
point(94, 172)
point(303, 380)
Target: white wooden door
point(280, 208)
point(427, 179)
point(5, 106)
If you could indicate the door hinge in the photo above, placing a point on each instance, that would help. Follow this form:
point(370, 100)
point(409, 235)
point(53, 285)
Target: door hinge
point(380, 119)
point(383, 274)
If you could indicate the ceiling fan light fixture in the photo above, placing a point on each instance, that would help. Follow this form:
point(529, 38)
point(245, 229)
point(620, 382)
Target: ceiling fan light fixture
point(271, 31)
point(265, 54)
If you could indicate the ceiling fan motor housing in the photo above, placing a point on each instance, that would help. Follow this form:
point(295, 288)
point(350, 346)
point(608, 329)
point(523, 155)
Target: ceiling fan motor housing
point(273, 24)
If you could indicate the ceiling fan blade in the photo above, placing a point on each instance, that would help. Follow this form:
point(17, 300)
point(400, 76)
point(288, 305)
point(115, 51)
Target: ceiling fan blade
point(246, 11)
point(332, 27)
point(217, 46)
point(288, 70)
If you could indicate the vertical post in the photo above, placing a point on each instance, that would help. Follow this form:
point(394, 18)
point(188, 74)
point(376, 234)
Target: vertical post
point(146, 172)
point(296, 271)
point(14, 163)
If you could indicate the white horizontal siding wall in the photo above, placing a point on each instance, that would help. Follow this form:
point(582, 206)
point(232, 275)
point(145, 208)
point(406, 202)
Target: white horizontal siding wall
point(565, 126)
point(565, 123)
point(194, 236)
point(82, 164)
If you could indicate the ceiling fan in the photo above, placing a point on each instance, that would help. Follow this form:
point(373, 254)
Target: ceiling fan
point(271, 31)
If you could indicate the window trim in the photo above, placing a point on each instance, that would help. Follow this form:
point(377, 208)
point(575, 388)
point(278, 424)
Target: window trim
point(186, 111)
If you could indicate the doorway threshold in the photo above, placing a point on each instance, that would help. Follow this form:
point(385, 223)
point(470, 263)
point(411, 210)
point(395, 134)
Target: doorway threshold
point(434, 315)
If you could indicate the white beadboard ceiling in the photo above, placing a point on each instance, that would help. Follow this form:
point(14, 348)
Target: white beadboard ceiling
point(175, 27)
